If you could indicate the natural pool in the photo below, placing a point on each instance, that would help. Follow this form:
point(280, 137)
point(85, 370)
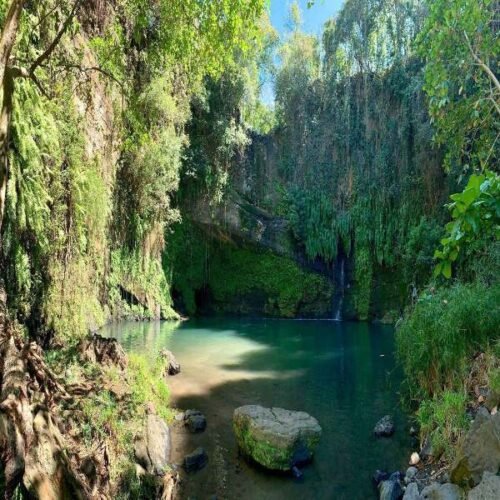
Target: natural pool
point(341, 373)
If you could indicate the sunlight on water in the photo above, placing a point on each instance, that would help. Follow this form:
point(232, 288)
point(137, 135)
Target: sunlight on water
point(342, 373)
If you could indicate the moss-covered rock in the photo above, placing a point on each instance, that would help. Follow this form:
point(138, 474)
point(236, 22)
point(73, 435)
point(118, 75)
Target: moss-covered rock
point(276, 438)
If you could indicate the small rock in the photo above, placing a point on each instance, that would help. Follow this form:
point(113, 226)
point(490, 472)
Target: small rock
point(447, 491)
point(494, 411)
point(172, 366)
point(411, 474)
point(380, 476)
point(297, 473)
point(195, 421)
point(412, 493)
point(480, 399)
point(195, 460)
point(179, 417)
point(487, 489)
point(390, 490)
point(413, 431)
point(384, 427)
point(415, 458)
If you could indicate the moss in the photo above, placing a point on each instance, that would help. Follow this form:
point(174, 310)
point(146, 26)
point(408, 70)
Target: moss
point(237, 273)
point(243, 280)
point(263, 452)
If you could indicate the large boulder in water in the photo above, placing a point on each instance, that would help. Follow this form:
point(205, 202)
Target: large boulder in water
point(275, 438)
point(152, 448)
point(480, 452)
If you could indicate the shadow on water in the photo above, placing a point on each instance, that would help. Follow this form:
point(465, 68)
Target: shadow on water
point(342, 373)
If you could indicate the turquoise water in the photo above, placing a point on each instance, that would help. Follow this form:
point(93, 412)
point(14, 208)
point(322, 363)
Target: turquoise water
point(342, 373)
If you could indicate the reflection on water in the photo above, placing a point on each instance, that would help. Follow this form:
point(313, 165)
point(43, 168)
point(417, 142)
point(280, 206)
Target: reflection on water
point(335, 371)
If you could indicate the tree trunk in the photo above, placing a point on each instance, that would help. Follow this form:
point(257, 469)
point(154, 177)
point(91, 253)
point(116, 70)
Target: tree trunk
point(5, 118)
point(7, 41)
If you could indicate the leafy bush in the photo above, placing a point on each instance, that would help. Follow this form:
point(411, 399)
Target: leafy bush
point(444, 421)
point(445, 328)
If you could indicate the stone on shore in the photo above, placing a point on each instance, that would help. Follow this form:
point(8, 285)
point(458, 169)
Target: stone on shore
point(275, 438)
point(390, 490)
point(480, 452)
point(487, 489)
point(447, 491)
point(172, 366)
point(152, 448)
point(411, 492)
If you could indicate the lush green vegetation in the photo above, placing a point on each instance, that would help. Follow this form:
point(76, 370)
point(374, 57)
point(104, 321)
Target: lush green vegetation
point(439, 340)
point(243, 280)
point(130, 130)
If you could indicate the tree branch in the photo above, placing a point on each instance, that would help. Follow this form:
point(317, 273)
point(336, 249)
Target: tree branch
point(482, 64)
point(48, 51)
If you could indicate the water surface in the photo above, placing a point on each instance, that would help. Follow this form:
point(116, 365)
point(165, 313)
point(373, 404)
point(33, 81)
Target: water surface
point(342, 373)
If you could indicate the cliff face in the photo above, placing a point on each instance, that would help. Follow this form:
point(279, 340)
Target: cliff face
point(351, 190)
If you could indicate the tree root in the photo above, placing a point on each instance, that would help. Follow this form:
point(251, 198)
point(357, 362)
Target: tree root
point(33, 451)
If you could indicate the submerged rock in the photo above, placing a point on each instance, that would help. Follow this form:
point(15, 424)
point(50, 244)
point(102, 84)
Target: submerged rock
point(487, 489)
point(195, 421)
point(152, 449)
point(196, 460)
point(380, 476)
point(447, 491)
point(480, 452)
point(276, 438)
point(172, 366)
point(384, 427)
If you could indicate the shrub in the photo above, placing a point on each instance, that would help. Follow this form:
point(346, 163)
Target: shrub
point(444, 421)
point(445, 328)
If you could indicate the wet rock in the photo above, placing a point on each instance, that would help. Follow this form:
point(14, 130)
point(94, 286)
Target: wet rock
point(152, 448)
point(480, 452)
point(196, 460)
point(384, 427)
point(447, 491)
point(195, 421)
point(390, 490)
point(380, 476)
point(411, 492)
point(172, 366)
point(487, 489)
point(411, 474)
point(276, 438)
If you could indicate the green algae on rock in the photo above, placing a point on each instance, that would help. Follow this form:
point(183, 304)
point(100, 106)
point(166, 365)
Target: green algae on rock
point(275, 438)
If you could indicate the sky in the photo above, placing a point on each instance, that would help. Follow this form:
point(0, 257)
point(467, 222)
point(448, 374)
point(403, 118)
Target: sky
point(313, 18)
